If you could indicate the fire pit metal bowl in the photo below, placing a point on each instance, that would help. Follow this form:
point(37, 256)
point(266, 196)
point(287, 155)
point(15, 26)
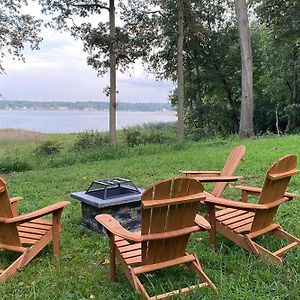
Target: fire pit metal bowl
point(117, 196)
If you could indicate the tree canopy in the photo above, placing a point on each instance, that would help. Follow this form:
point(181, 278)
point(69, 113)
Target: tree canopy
point(16, 29)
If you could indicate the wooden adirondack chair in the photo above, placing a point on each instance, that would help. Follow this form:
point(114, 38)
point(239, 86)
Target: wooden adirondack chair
point(168, 217)
point(232, 162)
point(27, 234)
point(242, 222)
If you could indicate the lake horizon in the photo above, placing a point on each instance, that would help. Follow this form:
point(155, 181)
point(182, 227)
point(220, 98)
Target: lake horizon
point(74, 121)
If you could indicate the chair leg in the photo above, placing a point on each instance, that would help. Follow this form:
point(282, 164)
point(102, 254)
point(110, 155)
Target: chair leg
point(26, 257)
point(212, 221)
point(266, 254)
point(12, 269)
point(112, 257)
point(139, 287)
point(56, 228)
point(35, 249)
point(195, 267)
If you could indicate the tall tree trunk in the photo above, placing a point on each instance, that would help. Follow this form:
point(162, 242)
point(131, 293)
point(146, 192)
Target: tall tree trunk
point(246, 119)
point(113, 89)
point(180, 105)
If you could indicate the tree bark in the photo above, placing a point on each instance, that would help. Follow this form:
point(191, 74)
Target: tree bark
point(113, 88)
point(246, 119)
point(180, 104)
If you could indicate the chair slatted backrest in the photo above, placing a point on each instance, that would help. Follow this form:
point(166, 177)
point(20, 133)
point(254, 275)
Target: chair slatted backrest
point(232, 162)
point(275, 185)
point(168, 218)
point(8, 232)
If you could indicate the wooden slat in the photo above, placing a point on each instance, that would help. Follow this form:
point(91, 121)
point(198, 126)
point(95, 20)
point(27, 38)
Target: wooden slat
point(232, 162)
point(134, 260)
point(27, 241)
point(236, 220)
point(231, 215)
point(12, 248)
point(42, 221)
point(225, 211)
point(118, 238)
point(122, 243)
point(181, 291)
point(241, 223)
point(35, 225)
point(32, 230)
point(285, 249)
point(133, 253)
point(30, 235)
point(157, 222)
point(244, 228)
point(130, 248)
point(255, 234)
point(8, 232)
point(170, 263)
point(170, 201)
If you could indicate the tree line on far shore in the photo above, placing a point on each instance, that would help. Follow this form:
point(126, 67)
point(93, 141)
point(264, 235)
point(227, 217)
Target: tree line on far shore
point(82, 105)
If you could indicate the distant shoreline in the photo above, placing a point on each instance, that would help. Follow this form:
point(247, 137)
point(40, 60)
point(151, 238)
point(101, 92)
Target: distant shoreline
point(82, 110)
point(81, 106)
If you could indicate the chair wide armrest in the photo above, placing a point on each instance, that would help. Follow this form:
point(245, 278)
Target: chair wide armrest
point(249, 189)
point(234, 204)
point(257, 191)
point(113, 226)
point(245, 206)
point(218, 178)
point(201, 173)
point(39, 213)
point(202, 222)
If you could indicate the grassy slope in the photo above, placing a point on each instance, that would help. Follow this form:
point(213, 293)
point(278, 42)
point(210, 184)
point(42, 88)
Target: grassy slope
point(81, 271)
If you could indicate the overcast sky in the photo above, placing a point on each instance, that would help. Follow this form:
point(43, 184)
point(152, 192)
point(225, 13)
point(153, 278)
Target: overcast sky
point(59, 72)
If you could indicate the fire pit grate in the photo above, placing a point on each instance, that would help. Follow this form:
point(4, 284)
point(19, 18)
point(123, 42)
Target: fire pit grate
point(116, 196)
point(112, 188)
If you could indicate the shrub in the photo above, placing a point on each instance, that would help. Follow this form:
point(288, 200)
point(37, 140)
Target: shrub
point(89, 139)
point(48, 148)
point(156, 137)
point(13, 164)
point(132, 137)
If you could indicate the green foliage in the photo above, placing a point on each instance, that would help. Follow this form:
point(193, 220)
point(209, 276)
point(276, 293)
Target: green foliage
point(128, 45)
point(10, 164)
point(132, 137)
point(90, 139)
point(48, 148)
point(17, 29)
point(135, 136)
point(212, 61)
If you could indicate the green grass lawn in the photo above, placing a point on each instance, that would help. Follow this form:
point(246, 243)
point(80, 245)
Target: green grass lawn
point(81, 271)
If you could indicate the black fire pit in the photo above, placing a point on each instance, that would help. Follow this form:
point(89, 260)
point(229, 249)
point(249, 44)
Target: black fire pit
point(117, 196)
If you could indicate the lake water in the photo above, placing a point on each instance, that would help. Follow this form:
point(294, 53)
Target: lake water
point(77, 121)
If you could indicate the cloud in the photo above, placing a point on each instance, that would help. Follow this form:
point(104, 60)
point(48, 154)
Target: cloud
point(58, 72)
